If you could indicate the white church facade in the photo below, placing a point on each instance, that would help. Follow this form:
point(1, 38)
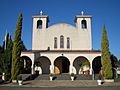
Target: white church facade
point(62, 48)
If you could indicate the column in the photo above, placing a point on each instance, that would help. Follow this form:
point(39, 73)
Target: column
point(32, 67)
point(3, 76)
point(72, 70)
point(32, 70)
point(52, 68)
point(91, 70)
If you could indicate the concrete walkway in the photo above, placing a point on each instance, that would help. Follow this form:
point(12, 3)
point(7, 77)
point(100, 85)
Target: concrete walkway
point(62, 83)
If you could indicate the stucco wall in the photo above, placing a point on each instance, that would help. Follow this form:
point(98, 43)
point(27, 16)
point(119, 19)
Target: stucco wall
point(80, 39)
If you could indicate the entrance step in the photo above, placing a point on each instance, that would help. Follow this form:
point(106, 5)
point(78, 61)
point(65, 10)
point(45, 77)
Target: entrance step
point(42, 77)
point(64, 76)
point(63, 83)
point(25, 76)
point(83, 77)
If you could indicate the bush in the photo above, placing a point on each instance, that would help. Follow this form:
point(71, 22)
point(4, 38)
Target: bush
point(72, 74)
point(19, 77)
point(50, 74)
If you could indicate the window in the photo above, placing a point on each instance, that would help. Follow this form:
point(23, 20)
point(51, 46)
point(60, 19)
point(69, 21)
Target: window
point(61, 41)
point(84, 24)
point(68, 42)
point(55, 42)
point(39, 24)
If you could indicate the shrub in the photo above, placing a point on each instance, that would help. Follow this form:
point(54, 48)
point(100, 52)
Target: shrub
point(19, 77)
point(50, 74)
point(72, 74)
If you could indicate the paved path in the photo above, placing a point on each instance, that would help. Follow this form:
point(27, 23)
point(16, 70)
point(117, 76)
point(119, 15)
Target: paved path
point(59, 88)
point(62, 83)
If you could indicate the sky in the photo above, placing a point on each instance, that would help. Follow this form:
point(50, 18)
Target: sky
point(103, 12)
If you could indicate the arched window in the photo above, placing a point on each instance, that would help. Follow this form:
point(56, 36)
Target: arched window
point(84, 24)
point(61, 41)
point(68, 42)
point(55, 42)
point(39, 24)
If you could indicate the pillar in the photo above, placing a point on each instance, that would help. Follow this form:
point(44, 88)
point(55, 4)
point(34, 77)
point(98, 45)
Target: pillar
point(91, 70)
point(3, 76)
point(32, 67)
point(72, 69)
point(52, 68)
point(32, 70)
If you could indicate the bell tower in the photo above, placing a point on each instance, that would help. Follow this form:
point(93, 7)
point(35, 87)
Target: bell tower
point(40, 21)
point(83, 25)
point(40, 24)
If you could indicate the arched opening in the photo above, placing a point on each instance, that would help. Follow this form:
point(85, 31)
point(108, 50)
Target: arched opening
point(96, 65)
point(25, 65)
point(39, 24)
point(44, 63)
point(61, 65)
point(55, 42)
point(61, 41)
point(84, 24)
point(82, 65)
point(68, 43)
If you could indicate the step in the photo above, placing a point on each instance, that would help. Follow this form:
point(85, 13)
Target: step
point(25, 76)
point(63, 76)
point(42, 77)
point(66, 83)
point(83, 77)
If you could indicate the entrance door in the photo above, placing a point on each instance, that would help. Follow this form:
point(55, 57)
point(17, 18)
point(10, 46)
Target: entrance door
point(65, 66)
point(61, 65)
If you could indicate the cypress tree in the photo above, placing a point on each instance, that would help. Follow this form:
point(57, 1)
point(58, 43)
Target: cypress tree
point(0, 60)
point(9, 48)
point(7, 57)
point(16, 52)
point(105, 57)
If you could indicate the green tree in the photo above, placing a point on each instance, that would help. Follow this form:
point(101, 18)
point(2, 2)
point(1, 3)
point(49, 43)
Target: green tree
point(105, 57)
point(9, 48)
point(17, 48)
point(23, 48)
point(7, 57)
point(1, 60)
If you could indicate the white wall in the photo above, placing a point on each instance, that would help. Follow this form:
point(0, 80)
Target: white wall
point(79, 39)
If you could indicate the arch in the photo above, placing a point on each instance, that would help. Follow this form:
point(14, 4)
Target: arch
point(25, 65)
point(82, 65)
point(96, 64)
point(84, 24)
point(61, 65)
point(61, 41)
point(39, 24)
point(44, 63)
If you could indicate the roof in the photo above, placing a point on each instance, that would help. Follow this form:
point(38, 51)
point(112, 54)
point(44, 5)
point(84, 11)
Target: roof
point(41, 16)
point(82, 16)
point(81, 51)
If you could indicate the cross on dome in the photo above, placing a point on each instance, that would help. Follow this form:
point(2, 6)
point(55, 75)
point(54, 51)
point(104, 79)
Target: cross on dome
point(82, 12)
point(41, 12)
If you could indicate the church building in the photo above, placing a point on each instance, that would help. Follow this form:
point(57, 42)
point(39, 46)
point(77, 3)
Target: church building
point(62, 48)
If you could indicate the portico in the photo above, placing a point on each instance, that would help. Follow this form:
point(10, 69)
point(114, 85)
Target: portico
point(58, 62)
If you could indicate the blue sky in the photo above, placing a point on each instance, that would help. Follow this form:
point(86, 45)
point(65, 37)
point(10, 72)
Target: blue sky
point(103, 12)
